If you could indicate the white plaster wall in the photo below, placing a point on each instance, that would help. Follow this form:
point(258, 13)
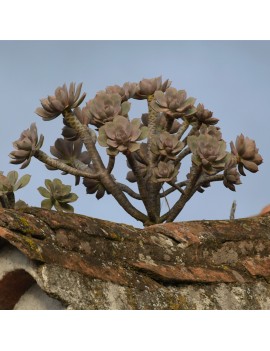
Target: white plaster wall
point(34, 298)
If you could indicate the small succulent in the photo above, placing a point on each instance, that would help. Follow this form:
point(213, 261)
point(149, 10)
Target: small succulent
point(68, 132)
point(210, 130)
point(104, 107)
point(205, 116)
point(147, 87)
point(69, 152)
point(247, 154)
point(57, 195)
point(231, 176)
point(121, 135)
point(10, 182)
point(208, 151)
point(165, 172)
point(173, 103)
point(166, 144)
point(63, 99)
point(94, 186)
point(26, 146)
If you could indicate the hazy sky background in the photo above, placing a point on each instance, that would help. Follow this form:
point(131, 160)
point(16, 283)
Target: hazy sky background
point(231, 78)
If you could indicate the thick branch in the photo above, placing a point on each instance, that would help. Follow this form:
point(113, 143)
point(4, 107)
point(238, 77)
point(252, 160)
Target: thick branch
point(111, 164)
point(105, 178)
point(189, 191)
point(43, 157)
point(129, 191)
point(177, 186)
point(183, 154)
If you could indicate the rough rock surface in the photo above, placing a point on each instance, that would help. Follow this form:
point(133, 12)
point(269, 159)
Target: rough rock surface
point(86, 263)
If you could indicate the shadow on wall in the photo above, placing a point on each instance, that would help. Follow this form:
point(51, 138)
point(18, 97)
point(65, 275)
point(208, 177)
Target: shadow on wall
point(18, 289)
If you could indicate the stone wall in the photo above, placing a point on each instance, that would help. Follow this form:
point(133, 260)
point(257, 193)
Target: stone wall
point(79, 262)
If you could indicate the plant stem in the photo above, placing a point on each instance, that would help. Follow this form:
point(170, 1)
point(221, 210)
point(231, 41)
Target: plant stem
point(174, 187)
point(189, 191)
point(183, 154)
point(153, 200)
point(111, 163)
point(129, 191)
point(105, 178)
point(43, 157)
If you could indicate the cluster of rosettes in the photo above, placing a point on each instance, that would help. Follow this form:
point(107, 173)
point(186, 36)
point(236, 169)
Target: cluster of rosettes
point(209, 151)
point(108, 112)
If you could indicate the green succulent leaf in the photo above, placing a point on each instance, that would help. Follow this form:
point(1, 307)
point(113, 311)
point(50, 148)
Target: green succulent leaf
point(49, 184)
point(22, 182)
point(12, 177)
point(47, 203)
point(125, 107)
point(66, 208)
point(70, 198)
point(44, 192)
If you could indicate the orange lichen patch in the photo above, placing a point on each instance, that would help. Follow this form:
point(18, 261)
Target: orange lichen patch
point(180, 273)
point(258, 266)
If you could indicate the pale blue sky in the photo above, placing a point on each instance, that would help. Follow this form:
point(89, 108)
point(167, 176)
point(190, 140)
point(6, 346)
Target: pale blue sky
point(231, 78)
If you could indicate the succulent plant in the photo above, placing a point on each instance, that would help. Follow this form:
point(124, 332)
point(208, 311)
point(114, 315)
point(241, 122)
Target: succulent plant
point(165, 172)
point(166, 144)
point(68, 132)
point(69, 152)
point(247, 154)
point(173, 103)
point(57, 195)
point(205, 116)
point(26, 146)
point(210, 130)
point(10, 182)
point(94, 186)
point(208, 151)
point(231, 176)
point(121, 135)
point(174, 129)
point(62, 100)
point(104, 107)
point(147, 87)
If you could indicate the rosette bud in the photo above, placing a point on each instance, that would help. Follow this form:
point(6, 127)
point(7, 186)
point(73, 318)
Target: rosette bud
point(247, 154)
point(209, 152)
point(63, 100)
point(26, 146)
point(121, 135)
point(166, 144)
point(231, 176)
point(205, 116)
point(173, 103)
point(104, 107)
point(165, 172)
point(147, 87)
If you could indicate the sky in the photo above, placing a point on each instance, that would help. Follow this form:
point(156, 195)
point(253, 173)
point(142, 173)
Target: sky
point(231, 78)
